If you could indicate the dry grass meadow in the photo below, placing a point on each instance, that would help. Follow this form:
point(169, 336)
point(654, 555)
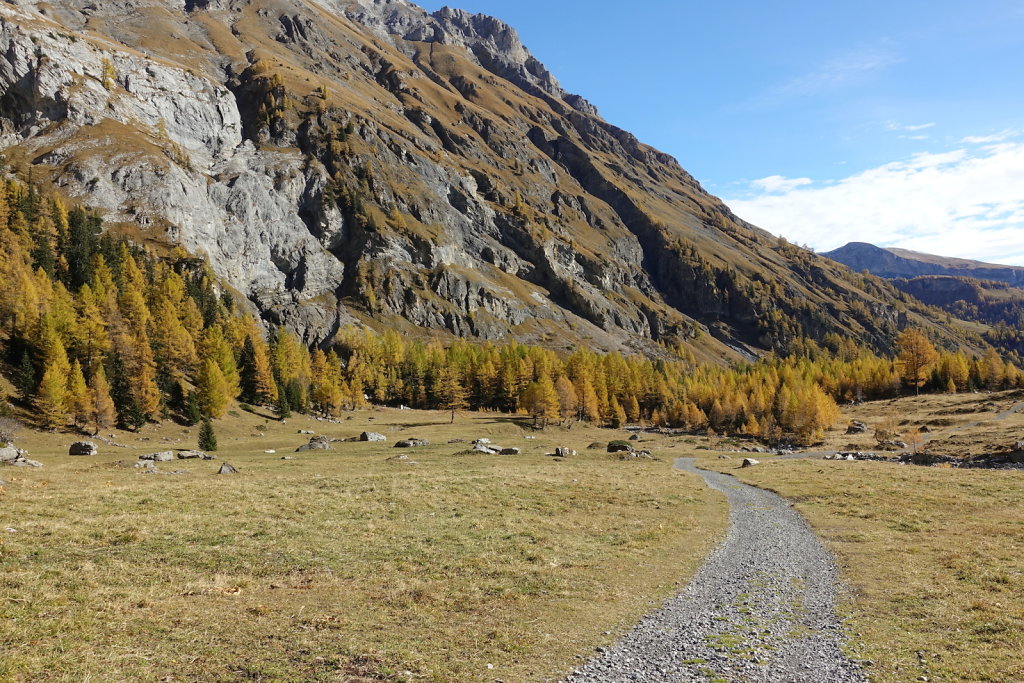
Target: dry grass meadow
point(345, 565)
point(340, 565)
point(934, 556)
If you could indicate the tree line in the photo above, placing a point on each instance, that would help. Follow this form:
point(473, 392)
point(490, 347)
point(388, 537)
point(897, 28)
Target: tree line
point(97, 332)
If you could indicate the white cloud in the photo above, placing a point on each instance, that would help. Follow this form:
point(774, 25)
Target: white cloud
point(849, 68)
point(965, 202)
point(990, 139)
point(776, 183)
point(892, 125)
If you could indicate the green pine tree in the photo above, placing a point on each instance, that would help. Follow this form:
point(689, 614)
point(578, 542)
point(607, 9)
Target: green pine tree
point(207, 437)
point(25, 378)
point(284, 408)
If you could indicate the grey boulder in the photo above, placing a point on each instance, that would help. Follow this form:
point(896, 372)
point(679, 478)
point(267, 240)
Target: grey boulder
point(412, 443)
point(83, 448)
point(162, 456)
point(195, 455)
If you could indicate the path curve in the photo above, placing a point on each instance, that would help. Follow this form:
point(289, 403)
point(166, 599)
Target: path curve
point(761, 608)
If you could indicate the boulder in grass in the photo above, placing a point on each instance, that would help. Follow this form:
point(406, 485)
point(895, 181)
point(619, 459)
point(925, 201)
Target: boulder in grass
point(372, 436)
point(162, 456)
point(483, 442)
point(412, 443)
point(9, 454)
point(195, 455)
point(509, 451)
point(227, 469)
point(83, 448)
point(619, 446)
point(856, 427)
point(750, 462)
point(317, 443)
point(564, 453)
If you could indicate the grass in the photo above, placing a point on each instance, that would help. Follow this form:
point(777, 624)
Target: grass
point(932, 556)
point(338, 565)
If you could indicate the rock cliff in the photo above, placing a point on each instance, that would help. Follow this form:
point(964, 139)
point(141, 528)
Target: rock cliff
point(364, 161)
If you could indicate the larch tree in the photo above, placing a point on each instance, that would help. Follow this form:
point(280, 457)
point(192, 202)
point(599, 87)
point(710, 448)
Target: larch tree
point(51, 397)
point(449, 391)
point(212, 390)
point(101, 405)
point(78, 401)
point(916, 356)
point(568, 399)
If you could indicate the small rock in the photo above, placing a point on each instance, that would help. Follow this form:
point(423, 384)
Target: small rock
point(270, 451)
point(750, 462)
point(227, 469)
point(9, 454)
point(306, 431)
point(83, 448)
point(372, 436)
point(288, 457)
point(856, 427)
point(483, 442)
point(412, 443)
point(509, 451)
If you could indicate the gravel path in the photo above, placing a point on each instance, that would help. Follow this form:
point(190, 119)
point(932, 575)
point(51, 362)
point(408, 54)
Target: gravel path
point(761, 608)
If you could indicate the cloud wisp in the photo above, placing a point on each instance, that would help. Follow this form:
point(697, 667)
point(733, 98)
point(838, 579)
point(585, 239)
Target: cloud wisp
point(967, 202)
point(850, 68)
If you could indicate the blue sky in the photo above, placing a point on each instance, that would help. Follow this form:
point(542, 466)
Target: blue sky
point(899, 123)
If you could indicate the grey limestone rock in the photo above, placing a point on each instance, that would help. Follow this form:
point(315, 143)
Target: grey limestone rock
point(162, 456)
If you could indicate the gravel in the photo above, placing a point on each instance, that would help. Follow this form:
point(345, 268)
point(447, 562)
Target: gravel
point(761, 608)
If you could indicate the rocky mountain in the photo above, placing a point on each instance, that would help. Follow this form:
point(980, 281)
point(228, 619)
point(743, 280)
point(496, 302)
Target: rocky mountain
point(366, 162)
point(903, 263)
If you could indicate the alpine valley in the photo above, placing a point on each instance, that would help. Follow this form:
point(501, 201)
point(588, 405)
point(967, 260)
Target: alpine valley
point(364, 162)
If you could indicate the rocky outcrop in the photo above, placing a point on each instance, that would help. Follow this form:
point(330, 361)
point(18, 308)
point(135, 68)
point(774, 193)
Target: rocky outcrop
point(366, 162)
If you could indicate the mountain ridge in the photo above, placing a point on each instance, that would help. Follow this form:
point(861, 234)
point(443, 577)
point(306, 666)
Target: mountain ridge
point(904, 263)
point(354, 162)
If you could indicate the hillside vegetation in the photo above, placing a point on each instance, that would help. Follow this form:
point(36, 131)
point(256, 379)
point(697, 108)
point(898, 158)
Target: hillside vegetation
point(345, 161)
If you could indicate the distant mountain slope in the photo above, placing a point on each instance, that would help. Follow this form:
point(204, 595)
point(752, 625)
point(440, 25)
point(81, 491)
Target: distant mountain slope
point(365, 161)
point(903, 263)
